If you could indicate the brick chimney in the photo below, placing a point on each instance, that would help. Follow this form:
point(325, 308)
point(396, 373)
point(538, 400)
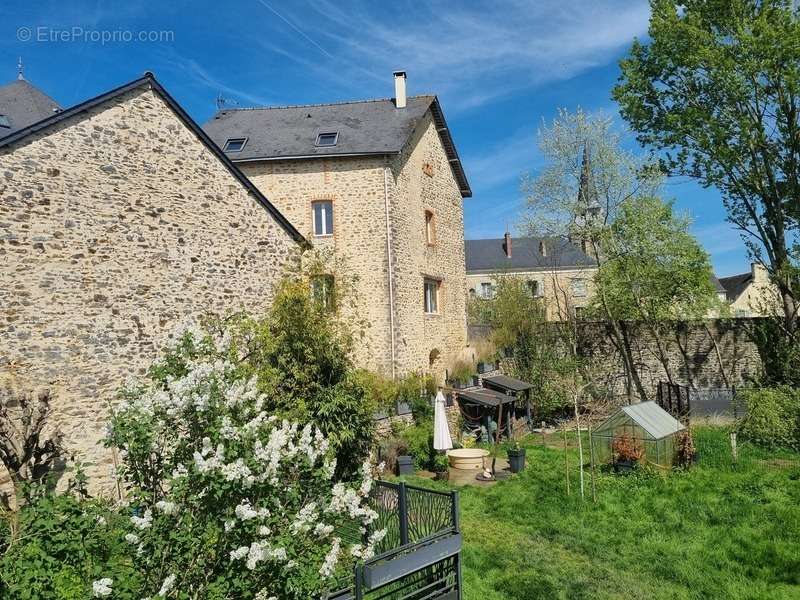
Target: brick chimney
point(400, 89)
point(507, 244)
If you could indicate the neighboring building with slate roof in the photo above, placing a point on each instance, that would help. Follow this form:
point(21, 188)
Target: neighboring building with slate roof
point(120, 221)
point(751, 294)
point(555, 269)
point(23, 104)
point(379, 186)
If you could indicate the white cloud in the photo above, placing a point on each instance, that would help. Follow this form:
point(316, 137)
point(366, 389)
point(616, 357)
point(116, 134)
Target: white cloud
point(469, 54)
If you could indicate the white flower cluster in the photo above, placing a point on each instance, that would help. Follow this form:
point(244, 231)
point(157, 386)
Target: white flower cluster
point(144, 522)
point(305, 518)
point(257, 552)
point(102, 587)
point(168, 508)
point(283, 444)
point(167, 585)
point(331, 559)
point(244, 512)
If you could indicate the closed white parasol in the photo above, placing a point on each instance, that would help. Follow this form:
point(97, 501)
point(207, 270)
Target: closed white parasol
point(441, 431)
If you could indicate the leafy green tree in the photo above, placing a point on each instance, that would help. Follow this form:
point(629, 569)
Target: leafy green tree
point(716, 88)
point(654, 272)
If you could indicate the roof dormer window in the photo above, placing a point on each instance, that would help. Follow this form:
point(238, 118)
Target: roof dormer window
point(234, 144)
point(328, 138)
point(4, 122)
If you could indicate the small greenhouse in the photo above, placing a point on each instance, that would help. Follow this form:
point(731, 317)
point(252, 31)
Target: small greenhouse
point(642, 432)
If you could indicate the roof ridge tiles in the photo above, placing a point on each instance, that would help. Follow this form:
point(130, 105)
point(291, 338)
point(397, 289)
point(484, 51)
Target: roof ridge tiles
point(316, 105)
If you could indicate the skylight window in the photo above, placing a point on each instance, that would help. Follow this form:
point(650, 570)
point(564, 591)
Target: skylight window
point(328, 138)
point(235, 144)
point(4, 122)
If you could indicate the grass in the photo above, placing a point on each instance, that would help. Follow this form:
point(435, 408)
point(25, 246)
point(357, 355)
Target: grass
point(715, 531)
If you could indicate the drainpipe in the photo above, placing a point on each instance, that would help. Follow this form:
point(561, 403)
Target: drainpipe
point(389, 259)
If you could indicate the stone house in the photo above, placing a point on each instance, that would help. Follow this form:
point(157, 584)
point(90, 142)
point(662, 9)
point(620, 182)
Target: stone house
point(120, 220)
point(752, 294)
point(378, 186)
point(554, 269)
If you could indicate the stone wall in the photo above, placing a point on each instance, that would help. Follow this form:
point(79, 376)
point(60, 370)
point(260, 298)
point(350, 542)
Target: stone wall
point(116, 226)
point(423, 181)
point(359, 188)
point(358, 244)
point(718, 352)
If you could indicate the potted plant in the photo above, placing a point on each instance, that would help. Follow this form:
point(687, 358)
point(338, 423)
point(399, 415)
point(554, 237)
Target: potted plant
point(461, 375)
point(686, 453)
point(516, 453)
point(626, 452)
point(441, 467)
point(405, 462)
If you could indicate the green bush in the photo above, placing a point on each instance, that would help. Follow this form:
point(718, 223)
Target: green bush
point(420, 445)
point(61, 545)
point(773, 416)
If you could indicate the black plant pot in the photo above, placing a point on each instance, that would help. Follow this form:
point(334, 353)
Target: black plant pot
point(624, 466)
point(460, 385)
point(405, 465)
point(485, 367)
point(441, 475)
point(516, 459)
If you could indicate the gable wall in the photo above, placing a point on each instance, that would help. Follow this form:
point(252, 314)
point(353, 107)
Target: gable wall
point(357, 249)
point(413, 192)
point(116, 226)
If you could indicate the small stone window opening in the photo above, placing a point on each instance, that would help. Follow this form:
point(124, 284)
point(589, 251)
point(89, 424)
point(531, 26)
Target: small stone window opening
point(328, 138)
point(323, 217)
point(533, 288)
point(487, 291)
point(432, 296)
point(323, 291)
point(430, 228)
point(235, 145)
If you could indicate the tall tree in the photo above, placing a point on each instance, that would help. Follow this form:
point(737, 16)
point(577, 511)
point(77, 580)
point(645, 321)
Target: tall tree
point(654, 272)
point(578, 194)
point(717, 89)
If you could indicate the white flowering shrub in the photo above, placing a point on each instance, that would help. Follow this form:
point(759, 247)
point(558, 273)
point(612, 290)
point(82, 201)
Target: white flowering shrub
point(227, 499)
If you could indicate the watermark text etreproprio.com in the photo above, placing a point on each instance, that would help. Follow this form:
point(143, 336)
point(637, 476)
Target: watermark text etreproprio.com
point(43, 33)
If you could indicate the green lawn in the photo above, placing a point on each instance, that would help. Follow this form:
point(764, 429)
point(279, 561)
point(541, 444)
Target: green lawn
point(712, 532)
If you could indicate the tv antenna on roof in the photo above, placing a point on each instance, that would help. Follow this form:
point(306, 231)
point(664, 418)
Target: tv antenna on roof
point(20, 74)
point(222, 102)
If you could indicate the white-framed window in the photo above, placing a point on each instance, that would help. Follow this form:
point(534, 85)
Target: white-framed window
point(322, 291)
point(323, 217)
point(487, 291)
point(534, 288)
point(578, 288)
point(432, 296)
point(235, 145)
point(430, 228)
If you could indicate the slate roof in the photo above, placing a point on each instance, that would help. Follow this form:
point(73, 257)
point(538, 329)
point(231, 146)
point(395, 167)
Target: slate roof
point(369, 127)
point(149, 80)
point(23, 104)
point(718, 287)
point(486, 256)
point(735, 284)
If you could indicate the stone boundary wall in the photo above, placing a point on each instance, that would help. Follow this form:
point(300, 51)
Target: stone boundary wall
point(711, 353)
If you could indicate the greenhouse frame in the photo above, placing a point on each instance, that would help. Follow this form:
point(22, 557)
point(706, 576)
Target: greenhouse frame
point(652, 429)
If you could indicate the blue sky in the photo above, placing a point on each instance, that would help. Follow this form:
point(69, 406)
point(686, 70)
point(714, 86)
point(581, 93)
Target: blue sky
point(499, 68)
